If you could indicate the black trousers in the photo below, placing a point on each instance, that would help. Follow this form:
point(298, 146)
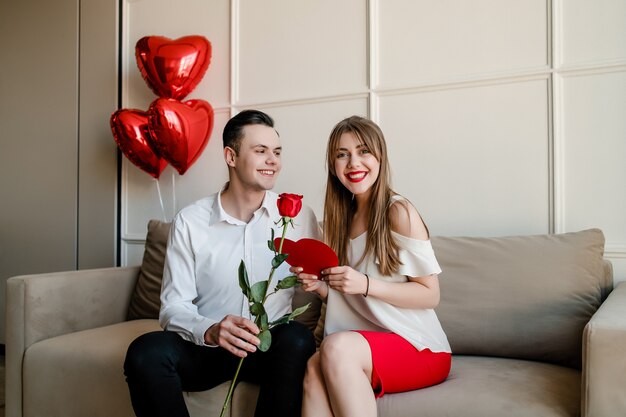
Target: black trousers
point(161, 365)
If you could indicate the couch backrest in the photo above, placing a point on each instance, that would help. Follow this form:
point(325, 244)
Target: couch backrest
point(526, 297)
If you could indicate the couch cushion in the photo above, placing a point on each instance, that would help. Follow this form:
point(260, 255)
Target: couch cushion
point(526, 297)
point(81, 374)
point(145, 301)
point(492, 387)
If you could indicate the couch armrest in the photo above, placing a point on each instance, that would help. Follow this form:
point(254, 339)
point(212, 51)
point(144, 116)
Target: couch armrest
point(43, 306)
point(48, 305)
point(604, 362)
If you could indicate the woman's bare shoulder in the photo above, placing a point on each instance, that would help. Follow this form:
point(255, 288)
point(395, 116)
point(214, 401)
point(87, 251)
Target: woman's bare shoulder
point(406, 221)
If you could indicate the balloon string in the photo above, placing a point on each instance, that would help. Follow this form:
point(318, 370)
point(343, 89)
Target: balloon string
point(174, 194)
point(160, 199)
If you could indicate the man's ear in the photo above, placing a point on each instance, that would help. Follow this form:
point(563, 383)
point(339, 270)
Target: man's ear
point(229, 156)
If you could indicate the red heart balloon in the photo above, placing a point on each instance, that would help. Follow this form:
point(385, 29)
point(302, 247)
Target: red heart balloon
point(173, 68)
point(130, 131)
point(180, 131)
point(310, 254)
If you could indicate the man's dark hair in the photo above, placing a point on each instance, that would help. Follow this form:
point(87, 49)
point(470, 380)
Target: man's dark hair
point(233, 131)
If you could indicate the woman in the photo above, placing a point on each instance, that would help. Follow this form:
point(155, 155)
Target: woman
point(382, 334)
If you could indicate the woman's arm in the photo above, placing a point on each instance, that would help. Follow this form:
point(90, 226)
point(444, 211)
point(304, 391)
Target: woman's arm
point(418, 292)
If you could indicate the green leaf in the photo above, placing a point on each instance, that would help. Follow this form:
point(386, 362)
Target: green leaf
point(258, 291)
point(266, 340)
point(298, 311)
point(257, 309)
point(264, 321)
point(244, 284)
point(284, 319)
point(279, 259)
point(270, 243)
point(288, 282)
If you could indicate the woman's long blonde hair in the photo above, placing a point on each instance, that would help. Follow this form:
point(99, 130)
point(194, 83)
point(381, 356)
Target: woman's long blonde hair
point(339, 204)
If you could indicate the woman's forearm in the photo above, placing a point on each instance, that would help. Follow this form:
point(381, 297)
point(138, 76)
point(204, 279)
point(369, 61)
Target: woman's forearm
point(410, 294)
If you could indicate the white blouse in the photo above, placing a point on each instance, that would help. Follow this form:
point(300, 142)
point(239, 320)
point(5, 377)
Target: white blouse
point(420, 327)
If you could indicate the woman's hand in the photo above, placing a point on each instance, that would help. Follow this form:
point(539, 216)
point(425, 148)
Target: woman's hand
point(310, 283)
point(346, 280)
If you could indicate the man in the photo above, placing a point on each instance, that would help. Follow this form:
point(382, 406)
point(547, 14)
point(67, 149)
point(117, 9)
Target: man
point(203, 310)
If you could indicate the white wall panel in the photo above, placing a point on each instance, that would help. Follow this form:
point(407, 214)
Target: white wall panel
point(593, 30)
point(304, 131)
point(132, 252)
point(429, 41)
point(296, 49)
point(175, 19)
point(474, 161)
point(593, 147)
point(205, 176)
point(619, 267)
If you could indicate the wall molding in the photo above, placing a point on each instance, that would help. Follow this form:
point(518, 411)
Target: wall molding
point(618, 252)
point(594, 68)
point(302, 101)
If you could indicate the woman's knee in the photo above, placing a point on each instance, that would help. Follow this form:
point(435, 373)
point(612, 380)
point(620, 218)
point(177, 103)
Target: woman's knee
point(344, 349)
point(336, 346)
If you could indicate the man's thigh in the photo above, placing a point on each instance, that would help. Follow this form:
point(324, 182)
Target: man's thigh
point(200, 367)
point(292, 345)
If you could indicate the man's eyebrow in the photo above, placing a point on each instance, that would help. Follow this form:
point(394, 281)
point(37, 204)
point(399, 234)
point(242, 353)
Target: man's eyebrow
point(279, 148)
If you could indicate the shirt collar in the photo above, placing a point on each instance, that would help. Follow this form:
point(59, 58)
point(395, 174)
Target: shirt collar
point(270, 205)
point(218, 214)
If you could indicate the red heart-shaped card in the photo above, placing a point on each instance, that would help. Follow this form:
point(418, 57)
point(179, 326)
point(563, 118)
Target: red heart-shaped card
point(310, 254)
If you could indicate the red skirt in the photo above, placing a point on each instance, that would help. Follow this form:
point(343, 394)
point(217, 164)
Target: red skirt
point(398, 366)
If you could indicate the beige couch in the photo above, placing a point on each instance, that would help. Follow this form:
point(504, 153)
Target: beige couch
point(528, 318)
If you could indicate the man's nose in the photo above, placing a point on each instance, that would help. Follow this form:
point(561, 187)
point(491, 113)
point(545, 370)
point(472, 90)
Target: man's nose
point(273, 159)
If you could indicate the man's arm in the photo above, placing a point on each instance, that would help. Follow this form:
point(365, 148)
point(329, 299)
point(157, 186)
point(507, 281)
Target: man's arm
point(178, 312)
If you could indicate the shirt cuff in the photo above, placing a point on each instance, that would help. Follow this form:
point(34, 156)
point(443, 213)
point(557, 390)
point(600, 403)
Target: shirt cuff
point(200, 329)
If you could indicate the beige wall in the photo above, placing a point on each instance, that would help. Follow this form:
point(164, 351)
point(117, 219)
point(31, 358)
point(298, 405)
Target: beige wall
point(57, 160)
point(502, 117)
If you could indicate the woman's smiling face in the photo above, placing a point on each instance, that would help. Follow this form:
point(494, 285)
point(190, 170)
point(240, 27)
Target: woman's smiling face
point(355, 166)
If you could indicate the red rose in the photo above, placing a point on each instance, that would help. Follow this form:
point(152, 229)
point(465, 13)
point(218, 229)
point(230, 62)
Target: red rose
point(289, 205)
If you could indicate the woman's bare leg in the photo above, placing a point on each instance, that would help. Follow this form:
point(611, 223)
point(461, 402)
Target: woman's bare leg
point(346, 364)
point(315, 402)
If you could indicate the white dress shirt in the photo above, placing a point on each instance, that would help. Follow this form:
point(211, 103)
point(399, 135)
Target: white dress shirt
point(205, 247)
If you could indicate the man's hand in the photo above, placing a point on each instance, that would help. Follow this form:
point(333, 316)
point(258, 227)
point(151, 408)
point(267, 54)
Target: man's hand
point(235, 334)
point(310, 283)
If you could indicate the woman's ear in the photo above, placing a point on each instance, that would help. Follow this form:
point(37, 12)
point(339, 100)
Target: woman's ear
point(229, 156)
